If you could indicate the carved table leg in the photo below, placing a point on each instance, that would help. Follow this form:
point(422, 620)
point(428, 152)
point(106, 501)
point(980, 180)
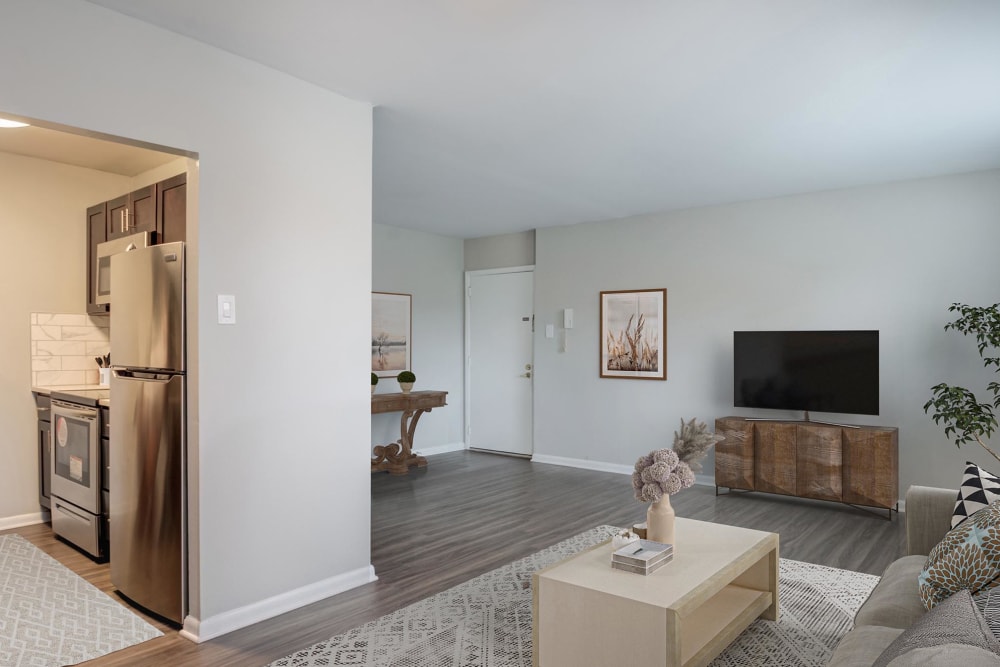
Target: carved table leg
point(398, 457)
point(407, 426)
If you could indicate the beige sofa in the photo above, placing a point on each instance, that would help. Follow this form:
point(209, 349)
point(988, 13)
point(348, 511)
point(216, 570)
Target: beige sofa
point(895, 603)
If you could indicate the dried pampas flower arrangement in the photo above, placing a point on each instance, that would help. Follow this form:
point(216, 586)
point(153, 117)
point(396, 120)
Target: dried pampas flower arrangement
point(693, 442)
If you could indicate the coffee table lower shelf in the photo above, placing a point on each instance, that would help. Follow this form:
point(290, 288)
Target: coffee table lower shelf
point(714, 625)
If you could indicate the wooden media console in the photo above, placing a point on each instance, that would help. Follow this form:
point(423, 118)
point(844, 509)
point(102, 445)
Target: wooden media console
point(853, 465)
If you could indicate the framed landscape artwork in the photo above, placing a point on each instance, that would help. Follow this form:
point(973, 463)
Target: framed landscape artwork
point(391, 342)
point(634, 334)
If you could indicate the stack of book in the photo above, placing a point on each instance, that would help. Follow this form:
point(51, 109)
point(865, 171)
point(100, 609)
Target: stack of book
point(642, 557)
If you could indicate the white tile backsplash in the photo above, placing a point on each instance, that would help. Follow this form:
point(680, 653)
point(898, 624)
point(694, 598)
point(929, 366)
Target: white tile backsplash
point(63, 347)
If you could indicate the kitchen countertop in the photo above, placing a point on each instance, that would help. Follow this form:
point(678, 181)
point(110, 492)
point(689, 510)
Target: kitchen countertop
point(88, 392)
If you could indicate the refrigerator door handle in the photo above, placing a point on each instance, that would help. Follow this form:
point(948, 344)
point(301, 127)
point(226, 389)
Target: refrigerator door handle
point(145, 376)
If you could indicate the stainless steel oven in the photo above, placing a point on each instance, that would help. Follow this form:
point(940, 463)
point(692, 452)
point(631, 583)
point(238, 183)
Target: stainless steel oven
point(105, 251)
point(76, 474)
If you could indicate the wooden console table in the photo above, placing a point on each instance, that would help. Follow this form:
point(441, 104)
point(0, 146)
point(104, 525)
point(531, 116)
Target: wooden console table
point(397, 458)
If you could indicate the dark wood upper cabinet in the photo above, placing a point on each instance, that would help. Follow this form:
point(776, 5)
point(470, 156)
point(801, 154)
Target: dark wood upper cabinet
point(160, 209)
point(132, 213)
point(97, 232)
point(116, 217)
point(171, 209)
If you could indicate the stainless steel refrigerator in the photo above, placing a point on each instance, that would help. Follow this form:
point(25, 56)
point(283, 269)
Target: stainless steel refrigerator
point(148, 491)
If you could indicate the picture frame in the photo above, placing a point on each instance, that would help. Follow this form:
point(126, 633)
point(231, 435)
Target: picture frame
point(633, 343)
point(392, 343)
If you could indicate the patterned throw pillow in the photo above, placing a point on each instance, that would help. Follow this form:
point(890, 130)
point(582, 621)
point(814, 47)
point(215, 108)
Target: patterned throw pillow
point(967, 558)
point(979, 488)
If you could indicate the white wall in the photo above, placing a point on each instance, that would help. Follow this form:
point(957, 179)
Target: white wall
point(284, 223)
point(891, 258)
point(429, 267)
point(43, 217)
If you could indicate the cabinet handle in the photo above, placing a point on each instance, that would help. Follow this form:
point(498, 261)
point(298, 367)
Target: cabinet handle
point(121, 222)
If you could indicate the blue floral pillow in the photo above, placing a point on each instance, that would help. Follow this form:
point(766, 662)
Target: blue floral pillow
point(967, 558)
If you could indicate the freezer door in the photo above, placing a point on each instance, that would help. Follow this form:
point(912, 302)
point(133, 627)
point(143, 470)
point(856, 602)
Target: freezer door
point(148, 289)
point(148, 491)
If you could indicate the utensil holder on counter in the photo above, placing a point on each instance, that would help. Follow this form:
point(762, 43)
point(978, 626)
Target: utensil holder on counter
point(105, 375)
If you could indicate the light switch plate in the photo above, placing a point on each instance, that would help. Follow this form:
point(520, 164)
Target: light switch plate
point(550, 331)
point(227, 309)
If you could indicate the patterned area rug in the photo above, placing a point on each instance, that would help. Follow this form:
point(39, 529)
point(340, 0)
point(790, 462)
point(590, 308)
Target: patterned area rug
point(49, 616)
point(486, 621)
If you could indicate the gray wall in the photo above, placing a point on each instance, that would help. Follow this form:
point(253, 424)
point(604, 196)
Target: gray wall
point(429, 267)
point(891, 258)
point(280, 216)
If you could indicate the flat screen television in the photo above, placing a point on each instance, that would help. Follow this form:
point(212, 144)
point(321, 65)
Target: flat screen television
point(821, 371)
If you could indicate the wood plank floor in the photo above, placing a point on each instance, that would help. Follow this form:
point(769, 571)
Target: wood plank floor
point(484, 511)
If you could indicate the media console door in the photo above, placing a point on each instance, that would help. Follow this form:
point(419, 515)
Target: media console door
point(859, 466)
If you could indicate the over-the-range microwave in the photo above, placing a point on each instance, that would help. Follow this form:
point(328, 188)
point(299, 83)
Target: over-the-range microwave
point(104, 252)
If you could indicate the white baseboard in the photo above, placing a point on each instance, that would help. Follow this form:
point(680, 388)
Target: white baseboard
point(602, 466)
point(215, 626)
point(702, 479)
point(9, 522)
point(587, 464)
point(440, 449)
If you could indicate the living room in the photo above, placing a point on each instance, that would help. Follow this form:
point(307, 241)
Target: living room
point(889, 254)
point(888, 257)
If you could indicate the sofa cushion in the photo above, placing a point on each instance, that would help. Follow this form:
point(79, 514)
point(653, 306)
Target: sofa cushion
point(947, 655)
point(979, 488)
point(862, 646)
point(952, 621)
point(967, 558)
point(895, 601)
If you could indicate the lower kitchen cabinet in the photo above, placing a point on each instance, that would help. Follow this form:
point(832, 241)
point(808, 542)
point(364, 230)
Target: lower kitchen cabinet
point(44, 408)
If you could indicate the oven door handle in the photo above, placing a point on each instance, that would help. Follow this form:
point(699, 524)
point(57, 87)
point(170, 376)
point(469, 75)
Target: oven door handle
point(73, 412)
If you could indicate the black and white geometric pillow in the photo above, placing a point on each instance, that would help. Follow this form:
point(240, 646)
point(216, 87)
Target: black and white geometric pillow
point(979, 488)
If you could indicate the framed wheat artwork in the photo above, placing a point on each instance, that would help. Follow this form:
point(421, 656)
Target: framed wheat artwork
point(392, 345)
point(634, 334)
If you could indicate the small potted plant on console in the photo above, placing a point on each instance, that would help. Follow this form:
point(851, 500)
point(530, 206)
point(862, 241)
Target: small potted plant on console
point(406, 380)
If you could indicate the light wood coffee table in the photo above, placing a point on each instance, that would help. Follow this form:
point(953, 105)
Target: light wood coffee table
point(721, 579)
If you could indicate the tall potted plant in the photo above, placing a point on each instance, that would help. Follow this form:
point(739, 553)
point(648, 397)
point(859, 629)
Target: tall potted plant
point(965, 418)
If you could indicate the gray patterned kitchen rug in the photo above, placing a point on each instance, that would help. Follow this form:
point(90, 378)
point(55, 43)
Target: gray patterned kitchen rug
point(486, 621)
point(50, 617)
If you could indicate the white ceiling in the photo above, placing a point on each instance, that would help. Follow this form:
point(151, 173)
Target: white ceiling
point(496, 116)
point(81, 150)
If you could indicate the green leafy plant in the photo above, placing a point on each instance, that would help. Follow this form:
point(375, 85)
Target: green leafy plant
point(374, 379)
point(965, 418)
point(406, 376)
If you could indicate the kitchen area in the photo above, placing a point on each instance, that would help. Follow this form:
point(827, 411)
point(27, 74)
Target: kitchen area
point(94, 388)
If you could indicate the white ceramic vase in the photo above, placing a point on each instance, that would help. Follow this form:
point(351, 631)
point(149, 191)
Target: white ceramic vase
point(406, 387)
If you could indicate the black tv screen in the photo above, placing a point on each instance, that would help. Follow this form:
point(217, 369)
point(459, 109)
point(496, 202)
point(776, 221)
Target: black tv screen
point(822, 371)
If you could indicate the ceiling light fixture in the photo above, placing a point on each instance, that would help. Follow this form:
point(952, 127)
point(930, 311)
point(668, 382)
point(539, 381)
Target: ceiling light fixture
point(11, 123)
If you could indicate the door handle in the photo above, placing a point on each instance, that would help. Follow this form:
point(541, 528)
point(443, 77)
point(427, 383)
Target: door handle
point(70, 513)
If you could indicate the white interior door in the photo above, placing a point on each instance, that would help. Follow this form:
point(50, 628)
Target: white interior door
point(499, 309)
